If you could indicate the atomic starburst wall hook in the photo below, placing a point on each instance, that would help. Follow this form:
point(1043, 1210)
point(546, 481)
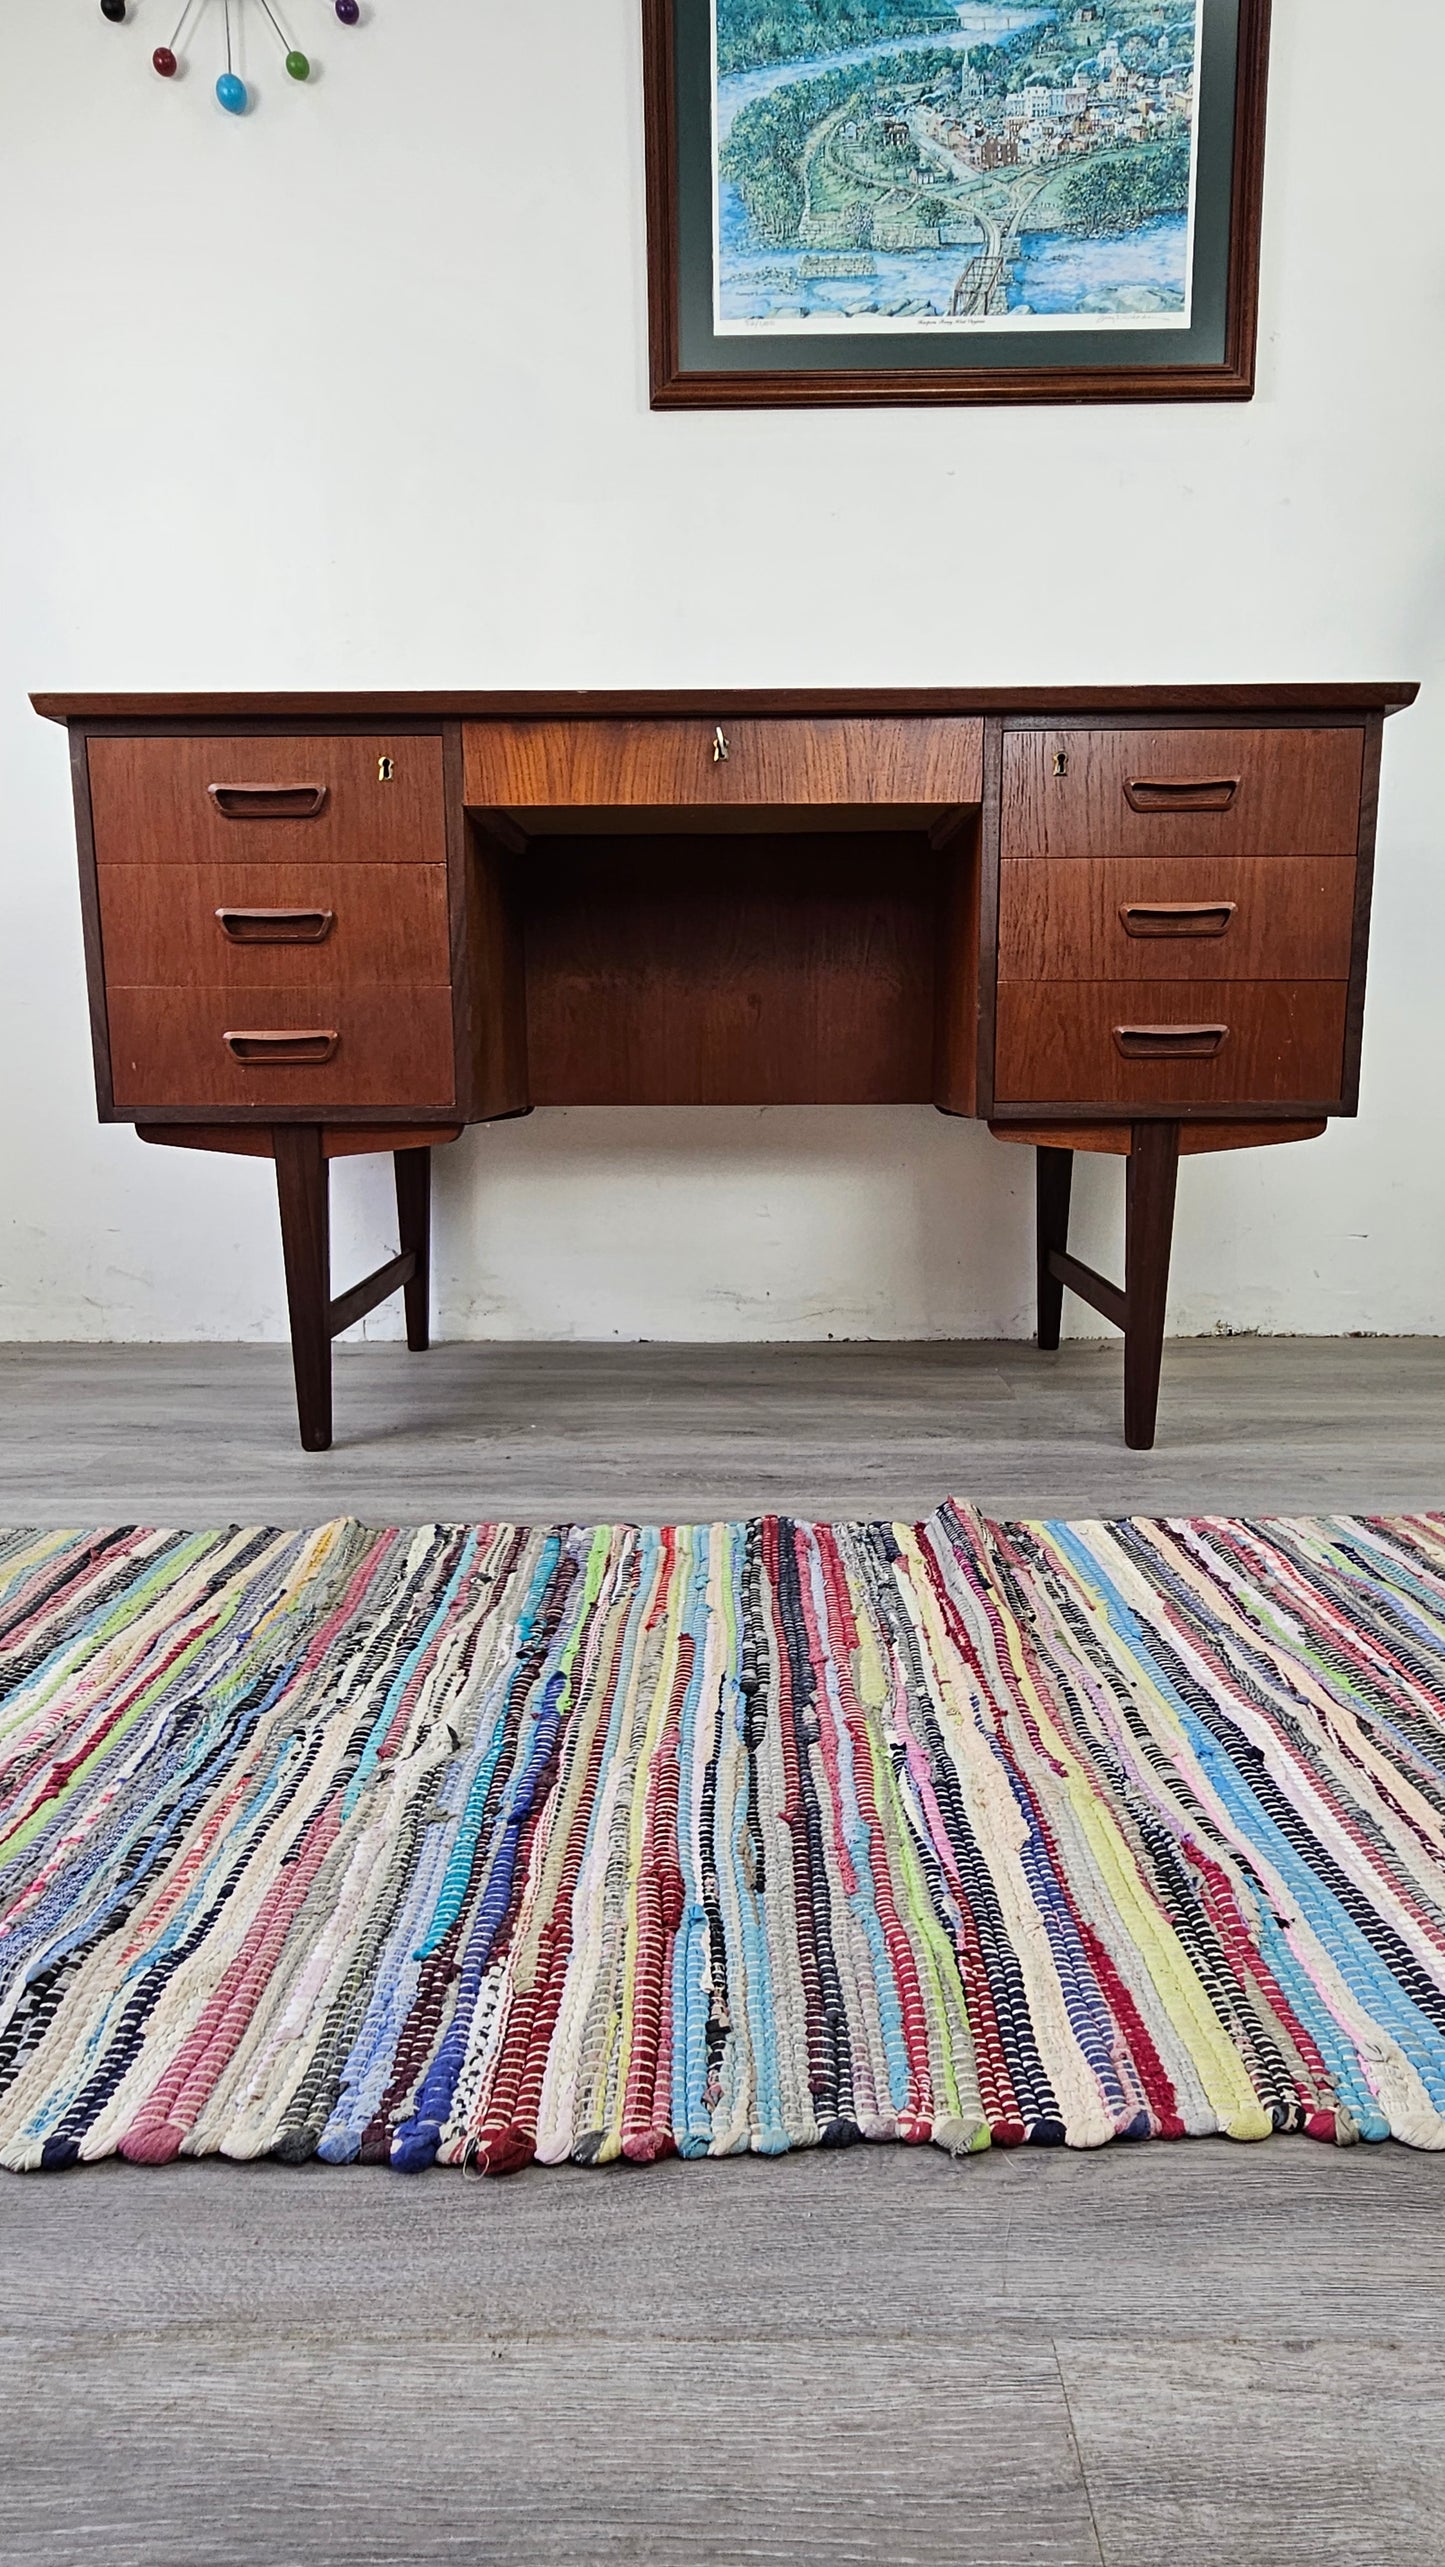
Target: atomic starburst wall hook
point(231, 89)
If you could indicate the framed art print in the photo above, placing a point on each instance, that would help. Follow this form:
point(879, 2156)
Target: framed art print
point(874, 201)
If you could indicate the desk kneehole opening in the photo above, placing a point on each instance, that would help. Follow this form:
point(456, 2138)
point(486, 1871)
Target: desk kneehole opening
point(283, 1047)
point(1170, 1042)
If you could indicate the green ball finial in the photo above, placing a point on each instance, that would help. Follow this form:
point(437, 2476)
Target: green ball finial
point(298, 66)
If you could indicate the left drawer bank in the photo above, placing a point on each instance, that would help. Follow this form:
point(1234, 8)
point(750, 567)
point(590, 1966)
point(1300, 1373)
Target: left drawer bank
point(274, 923)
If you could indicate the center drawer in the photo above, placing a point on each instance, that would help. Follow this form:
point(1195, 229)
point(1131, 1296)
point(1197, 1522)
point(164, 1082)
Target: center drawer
point(1176, 918)
point(764, 760)
point(241, 926)
point(1182, 793)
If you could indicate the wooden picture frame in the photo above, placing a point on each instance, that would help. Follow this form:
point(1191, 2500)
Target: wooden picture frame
point(1201, 348)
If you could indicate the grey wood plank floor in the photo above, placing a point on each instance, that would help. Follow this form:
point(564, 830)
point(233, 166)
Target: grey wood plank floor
point(1172, 2354)
point(1193, 2355)
point(206, 1434)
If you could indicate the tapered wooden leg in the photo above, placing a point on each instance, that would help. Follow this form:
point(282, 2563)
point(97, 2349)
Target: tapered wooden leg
point(1055, 1176)
point(413, 1212)
point(303, 1193)
point(1149, 1234)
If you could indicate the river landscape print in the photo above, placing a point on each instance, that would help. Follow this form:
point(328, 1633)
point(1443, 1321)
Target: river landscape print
point(953, 165)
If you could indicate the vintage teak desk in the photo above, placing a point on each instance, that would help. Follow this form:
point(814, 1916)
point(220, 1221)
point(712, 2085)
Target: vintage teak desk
point(1132, 921)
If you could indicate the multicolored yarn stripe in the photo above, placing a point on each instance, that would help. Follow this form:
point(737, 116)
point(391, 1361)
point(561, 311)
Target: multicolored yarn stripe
point(478, 1844)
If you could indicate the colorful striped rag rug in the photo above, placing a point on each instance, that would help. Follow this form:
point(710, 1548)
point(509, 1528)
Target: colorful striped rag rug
point(480, 1844)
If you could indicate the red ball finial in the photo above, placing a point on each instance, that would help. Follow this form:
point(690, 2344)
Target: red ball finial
point(165, 62)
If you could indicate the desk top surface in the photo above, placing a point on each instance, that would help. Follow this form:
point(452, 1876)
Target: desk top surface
point(646, 703)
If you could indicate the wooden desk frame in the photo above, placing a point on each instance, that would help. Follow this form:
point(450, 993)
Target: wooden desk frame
point(844, 860)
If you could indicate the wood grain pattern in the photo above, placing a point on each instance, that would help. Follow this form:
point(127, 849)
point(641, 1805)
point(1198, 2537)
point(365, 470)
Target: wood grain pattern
point(412, 1171)
point(555, 1433)
point(990, 830)
point(1059, 918)
point(254, 1140)
point(511, 765)
point(1336, 2451)
point(152, 806)
point(1285, 1043)
point(269, 2454)
point(956, 997)
point(167, 1048)
point(488, 964)
point(875, 1052)
point(1115, 1140)
point(159, 924)
point(1298, 792)
point(90, 923)
point(362, 707)
point(166, 2406)
point(766, 972)
point(1364, 900)
point(1151, 1183)
point(304, 1202)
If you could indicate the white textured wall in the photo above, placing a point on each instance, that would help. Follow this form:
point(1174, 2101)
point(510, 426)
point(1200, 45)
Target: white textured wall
point(352, 393)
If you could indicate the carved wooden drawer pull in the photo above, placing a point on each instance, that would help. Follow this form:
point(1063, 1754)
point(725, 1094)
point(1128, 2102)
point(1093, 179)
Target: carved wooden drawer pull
point(288, 1047)
point(277, 926)
point(1180, 793)
point(1170, 1042)
point(1177, 917)
point(269, 801)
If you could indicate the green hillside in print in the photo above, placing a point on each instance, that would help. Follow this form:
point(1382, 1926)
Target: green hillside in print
point(753, 32)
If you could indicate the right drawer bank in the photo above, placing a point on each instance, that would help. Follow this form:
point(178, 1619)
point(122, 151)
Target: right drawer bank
point(1176, 917)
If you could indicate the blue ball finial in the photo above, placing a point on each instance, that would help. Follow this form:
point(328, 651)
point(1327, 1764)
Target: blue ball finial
point(232, 94)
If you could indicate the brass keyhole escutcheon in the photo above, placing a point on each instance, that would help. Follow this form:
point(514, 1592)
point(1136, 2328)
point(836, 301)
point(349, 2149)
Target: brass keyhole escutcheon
point(719, 745)
point(1061, 762)
point(385, 770)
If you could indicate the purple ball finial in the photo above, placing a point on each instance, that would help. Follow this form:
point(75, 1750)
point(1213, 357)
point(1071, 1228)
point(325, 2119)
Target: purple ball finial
point(348, 11)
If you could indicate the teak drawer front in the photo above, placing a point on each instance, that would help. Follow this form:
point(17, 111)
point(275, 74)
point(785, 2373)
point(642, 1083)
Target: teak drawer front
point(1182, 793)
point(1219, 918)
point(268, 801)
point(542, 765)
point(370, 1047)
point(1161, 1044)
point(241, 926)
